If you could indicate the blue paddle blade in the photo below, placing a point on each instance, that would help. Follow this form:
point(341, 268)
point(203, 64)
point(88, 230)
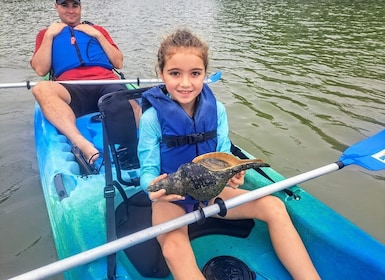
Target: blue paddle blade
point(369, 153)
point(214, 77)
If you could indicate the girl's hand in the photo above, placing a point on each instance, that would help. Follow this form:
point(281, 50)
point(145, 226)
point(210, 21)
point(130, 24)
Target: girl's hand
point(161, 194)
point(237, 180)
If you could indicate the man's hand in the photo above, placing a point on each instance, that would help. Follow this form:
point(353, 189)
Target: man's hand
point(55, 28)
point(89, 30)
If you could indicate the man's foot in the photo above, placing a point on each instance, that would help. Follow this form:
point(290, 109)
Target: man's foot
point(93, 158)
point(90, 153)
point(85, 167)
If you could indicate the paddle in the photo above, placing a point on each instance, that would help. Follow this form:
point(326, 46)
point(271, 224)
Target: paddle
point(211, 79)
point(369, 154)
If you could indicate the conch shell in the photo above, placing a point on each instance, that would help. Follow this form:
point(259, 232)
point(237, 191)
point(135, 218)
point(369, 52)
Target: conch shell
point(206, 176)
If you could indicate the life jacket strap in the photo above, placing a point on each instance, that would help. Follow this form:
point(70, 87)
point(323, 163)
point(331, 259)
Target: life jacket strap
point(176, 141)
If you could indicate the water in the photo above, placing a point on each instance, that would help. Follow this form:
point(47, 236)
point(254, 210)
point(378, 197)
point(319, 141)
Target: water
point(302, 81)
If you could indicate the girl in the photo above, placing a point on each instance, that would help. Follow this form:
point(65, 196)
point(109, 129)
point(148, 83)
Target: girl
point(183, 120)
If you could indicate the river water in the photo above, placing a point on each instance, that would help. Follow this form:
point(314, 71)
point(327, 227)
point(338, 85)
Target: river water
point(302, 81)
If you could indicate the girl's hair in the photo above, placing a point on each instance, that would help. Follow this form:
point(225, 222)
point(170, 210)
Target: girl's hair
point(181, 38)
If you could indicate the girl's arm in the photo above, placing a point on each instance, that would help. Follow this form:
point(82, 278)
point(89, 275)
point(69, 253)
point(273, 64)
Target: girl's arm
point(148, 147)
point(223, 144)
point(149, 155)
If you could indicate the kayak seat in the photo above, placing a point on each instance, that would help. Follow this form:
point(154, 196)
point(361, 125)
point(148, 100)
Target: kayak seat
point(119, 125)
point(135, 214)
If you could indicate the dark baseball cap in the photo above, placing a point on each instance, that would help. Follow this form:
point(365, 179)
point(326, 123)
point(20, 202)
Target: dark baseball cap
point(62, 1)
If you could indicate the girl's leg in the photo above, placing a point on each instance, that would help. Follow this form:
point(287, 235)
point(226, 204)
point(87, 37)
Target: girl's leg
point(285, 238)
point(176, 246)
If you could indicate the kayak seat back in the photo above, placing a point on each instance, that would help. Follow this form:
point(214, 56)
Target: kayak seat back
point(119, 125)
point(120, 140)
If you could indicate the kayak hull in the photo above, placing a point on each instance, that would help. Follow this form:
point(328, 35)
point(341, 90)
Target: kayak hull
point(76, 207)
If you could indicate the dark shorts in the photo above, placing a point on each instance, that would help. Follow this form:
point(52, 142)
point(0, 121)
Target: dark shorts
point(190, 204)
point(84, 98)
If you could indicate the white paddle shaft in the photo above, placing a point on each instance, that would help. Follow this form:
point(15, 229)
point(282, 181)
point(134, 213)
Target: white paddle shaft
point(211, 79)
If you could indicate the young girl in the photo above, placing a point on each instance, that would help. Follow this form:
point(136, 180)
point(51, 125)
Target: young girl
point(184, 120)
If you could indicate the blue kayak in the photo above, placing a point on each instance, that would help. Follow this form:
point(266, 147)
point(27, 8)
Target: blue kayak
point(77, 212)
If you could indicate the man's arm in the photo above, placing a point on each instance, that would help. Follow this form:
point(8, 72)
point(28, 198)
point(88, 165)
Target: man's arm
point(41, 60)
point(112, 52)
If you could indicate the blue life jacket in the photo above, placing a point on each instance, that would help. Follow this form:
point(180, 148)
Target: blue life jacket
point(73, 48)
point(183, 137)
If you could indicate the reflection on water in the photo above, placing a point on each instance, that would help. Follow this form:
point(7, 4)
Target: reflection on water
point(302, 80)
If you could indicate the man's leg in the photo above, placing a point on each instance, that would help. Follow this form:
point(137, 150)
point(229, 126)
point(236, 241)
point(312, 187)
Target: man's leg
point(53, 99)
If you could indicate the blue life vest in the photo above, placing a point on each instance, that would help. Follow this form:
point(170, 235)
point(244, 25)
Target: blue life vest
point(73, 48)
point(183, 137)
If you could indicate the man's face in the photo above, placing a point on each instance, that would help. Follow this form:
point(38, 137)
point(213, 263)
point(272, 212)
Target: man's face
point(69, 12)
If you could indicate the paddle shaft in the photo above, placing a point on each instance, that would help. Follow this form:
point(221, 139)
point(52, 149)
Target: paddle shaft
point(146, 234)
point(29, 84)
point(211, 79)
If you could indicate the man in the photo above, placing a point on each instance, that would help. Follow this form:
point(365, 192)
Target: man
point(70, 50)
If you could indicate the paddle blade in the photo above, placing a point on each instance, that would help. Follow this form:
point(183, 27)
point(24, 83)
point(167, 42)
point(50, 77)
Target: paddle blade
point(369, 153)
point(215, 77)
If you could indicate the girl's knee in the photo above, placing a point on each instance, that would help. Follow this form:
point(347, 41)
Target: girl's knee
point(277, 205)
point(273, 208)
point(172, 251)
